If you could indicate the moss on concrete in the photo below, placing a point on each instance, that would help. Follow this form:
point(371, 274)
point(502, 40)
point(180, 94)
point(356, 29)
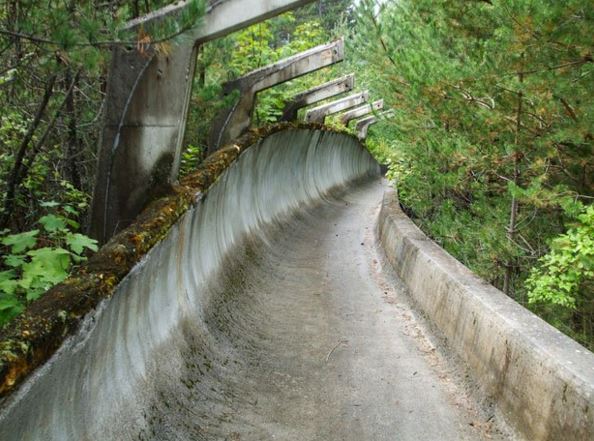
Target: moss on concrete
point(34, 336)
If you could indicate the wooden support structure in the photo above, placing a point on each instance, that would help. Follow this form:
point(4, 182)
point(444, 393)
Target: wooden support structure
point(316, 94)
point(360, 111)
point(234, 121)
point(146, 105)
point(319, 114)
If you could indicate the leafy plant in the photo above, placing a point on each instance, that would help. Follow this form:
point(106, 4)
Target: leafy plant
point(565, 275)
point(491, 136)
point(190, 159)
point(38, 259)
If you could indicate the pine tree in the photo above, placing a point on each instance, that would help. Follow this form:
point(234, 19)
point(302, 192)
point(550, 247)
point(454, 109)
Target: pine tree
point(492, 142)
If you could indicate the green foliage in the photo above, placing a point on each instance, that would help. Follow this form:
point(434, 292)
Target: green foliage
point(565, 275)
point(190, 159)
point(58, 51)
point(36, 260)
point(20, 242)
point(491, 143)
point(50, 48)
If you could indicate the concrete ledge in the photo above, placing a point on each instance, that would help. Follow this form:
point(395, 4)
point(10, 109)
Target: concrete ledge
point(541, 380)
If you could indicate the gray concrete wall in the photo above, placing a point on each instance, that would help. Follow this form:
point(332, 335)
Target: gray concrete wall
point(541, 380)
point(106, 381)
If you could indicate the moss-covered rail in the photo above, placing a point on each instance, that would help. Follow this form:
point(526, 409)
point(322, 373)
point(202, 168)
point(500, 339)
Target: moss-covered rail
point(36, 335)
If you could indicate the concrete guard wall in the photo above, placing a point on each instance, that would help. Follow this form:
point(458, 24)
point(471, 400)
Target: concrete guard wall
point(541, 380)
point(104, 382)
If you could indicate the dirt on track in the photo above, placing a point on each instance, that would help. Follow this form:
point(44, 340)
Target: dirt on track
point(322, 343)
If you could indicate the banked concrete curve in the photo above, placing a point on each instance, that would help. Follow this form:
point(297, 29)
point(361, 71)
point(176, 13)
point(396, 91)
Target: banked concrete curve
point(251, 303)
point(540, 379)
point(104, 381)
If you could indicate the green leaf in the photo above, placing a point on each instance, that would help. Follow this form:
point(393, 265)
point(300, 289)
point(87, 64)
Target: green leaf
point(78, 242)
point(72, 223)
point(49, 204)
point(21, 242)
point(8, 284)
point(70, 210)
point(48, 267)
point(14, 261)
point(52, 223)
point(10, 307)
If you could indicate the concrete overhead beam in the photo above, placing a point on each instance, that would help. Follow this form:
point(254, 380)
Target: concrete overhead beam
point(222, 16)
point(360, 111)
point(319, 114)
point(234, 121)
point(363, 124)
point(146, 106)
point(317, 94)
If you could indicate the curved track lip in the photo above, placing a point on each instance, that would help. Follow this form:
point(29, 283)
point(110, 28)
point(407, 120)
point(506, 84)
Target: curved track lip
point(32, 338)
point(102, 384)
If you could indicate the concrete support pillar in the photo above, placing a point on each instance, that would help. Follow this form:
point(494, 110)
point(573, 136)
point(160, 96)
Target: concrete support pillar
point(360, 111)
point(319, 114)
point(146, 105)
point(363, 124)
point(317, 94)
point(234, 121)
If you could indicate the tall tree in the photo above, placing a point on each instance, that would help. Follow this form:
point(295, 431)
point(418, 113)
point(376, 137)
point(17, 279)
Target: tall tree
point(492, 142)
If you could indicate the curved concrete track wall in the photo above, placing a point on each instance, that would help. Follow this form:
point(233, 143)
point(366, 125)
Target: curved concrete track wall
point(542, 380)
point(105, 382)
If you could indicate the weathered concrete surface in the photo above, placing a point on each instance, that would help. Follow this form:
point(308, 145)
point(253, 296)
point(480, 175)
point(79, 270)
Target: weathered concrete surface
point(223, 16)
point(263, 314)
point(360, 111)
point(146, 106)
point(319, 114)
point(317, 94)
point(235, 120)
point(33, 337)
point(362, 126)
point(541, 380)
point(106, 373)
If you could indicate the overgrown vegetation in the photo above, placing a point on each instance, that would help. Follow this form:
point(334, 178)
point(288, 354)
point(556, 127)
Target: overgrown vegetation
point(492, 143)
point(38, 259)
point(53, 59)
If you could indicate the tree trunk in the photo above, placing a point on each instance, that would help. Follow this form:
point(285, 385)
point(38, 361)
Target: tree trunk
point(73, 146)
point(15, 173)
point(511, 265)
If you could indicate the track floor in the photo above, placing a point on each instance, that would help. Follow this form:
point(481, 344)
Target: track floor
point(315, 341)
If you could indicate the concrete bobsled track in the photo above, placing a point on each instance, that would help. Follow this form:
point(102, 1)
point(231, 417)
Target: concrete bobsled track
point(257, 317)
point(265, 312)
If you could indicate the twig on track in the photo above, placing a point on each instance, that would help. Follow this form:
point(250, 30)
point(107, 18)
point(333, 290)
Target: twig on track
point(334, 348)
